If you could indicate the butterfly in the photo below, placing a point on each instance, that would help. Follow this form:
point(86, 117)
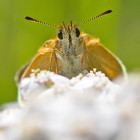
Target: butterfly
point(72, 52)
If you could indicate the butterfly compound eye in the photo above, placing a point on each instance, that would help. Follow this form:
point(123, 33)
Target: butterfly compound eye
point(77, 32)
point(60, 35)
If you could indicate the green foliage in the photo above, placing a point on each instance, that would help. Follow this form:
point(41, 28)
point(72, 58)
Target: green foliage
point(20, 39)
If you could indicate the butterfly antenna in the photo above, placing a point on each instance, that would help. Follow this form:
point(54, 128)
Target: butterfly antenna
point(34, 20)
point(105, 13)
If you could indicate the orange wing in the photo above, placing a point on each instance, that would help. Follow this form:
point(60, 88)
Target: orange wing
point(102, 59)
point(44, 60)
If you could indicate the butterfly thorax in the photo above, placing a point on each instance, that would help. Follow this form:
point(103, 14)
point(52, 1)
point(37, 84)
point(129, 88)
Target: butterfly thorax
point(70, 47)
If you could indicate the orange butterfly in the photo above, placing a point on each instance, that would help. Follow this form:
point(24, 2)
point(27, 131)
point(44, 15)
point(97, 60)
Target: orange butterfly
point(72, 52)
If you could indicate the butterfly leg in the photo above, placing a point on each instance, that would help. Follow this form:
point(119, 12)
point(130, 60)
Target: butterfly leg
point(81, 56)
point(50, 61)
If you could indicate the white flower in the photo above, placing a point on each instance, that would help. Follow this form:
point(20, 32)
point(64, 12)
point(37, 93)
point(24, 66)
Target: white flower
point(87, 107)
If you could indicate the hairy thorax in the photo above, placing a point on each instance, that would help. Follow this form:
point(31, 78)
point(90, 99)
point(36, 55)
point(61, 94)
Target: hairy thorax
point(72, 62)
point(69, 67)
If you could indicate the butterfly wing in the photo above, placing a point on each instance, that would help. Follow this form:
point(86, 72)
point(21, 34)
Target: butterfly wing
point(20, 72)
point(102, 59)
point(44, 60)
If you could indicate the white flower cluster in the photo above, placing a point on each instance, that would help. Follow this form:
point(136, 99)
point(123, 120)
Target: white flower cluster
point(87, 107)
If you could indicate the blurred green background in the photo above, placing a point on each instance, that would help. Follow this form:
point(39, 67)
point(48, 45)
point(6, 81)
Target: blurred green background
point(20, 39)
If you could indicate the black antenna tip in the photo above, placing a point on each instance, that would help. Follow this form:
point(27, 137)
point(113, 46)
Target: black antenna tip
point(29, 18)
point(108, 11)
